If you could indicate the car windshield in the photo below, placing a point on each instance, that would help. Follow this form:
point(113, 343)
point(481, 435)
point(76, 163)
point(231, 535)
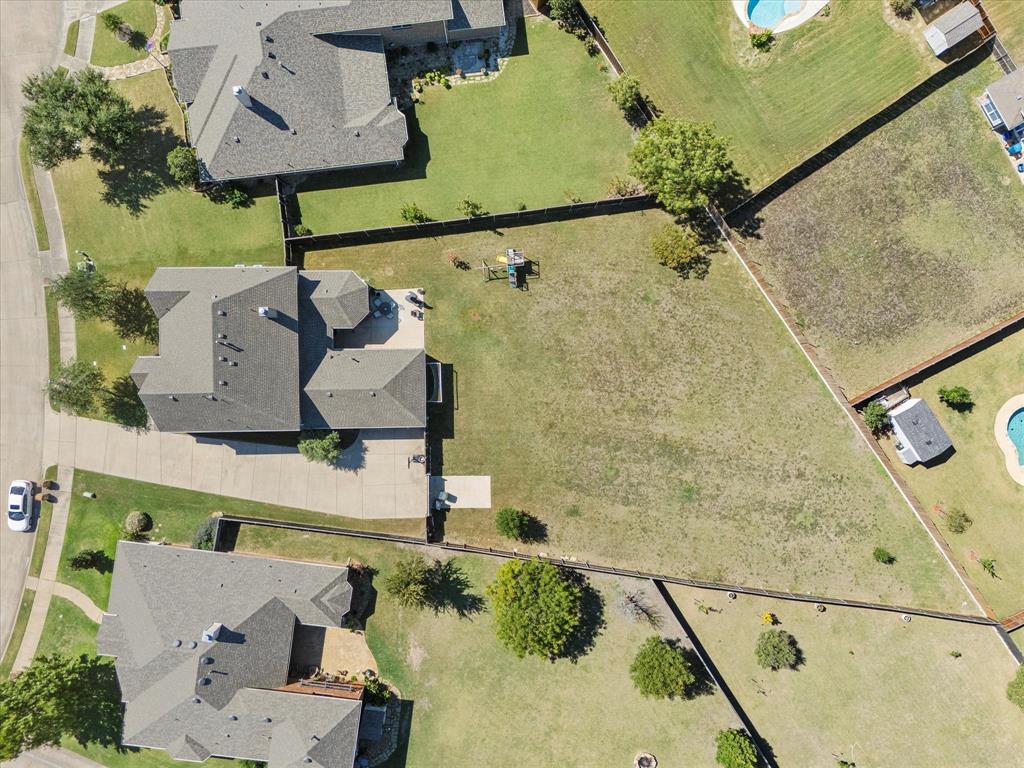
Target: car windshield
point(15, 515)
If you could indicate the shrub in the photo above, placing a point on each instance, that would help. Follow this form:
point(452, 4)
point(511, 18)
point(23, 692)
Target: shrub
point(660, 670)
point(136, 524)
point(678, 248)
point(1015, 690)
point(376, 691)
point(770, 619)
point(183, 166)
point(902, 8)
point(111, 21)
point(989, 566)
point(735, 749)
point(957, 398)
point(512, 523)
point(409, 582)
point(413, 214)
point(536, 608)
point(958, 521)
point(777, 649)
point(323, 446)
point(86, 559)
point(876, 417)
point(470, 208)
point(883, 556)
point(563, 10)
point(301, 230)
point(623, 186)
point(203, 537)
point(762, 41)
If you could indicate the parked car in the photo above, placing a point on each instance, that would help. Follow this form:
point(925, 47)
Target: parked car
point(19, 506)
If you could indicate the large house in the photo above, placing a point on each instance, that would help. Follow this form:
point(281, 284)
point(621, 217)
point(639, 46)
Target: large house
point(919, 436)
point(1003, 103)
point(301, 86)
point(203, 645)
point(273, 349)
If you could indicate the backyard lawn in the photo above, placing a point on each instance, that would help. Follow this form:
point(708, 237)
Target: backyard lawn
point(107, 50)
point(651, 421)
point(905, 245)
point(544, 129)
point(177, 513)
point(471, 700)
point(873, 690)
point(149, 222)
point(820, 80)
point(1008, 20)
point(974, 479)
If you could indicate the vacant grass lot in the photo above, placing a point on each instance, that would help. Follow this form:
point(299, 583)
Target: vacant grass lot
point(543, 130)
point(974, 479)
point(651, 421)
point(820, 80)
point(873, 690)
point(131, 221)
point(474, 703)
point(905, 245)
point(177, 513)
point(107, 50)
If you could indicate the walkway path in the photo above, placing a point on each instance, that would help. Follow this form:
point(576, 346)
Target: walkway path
point(46, 584)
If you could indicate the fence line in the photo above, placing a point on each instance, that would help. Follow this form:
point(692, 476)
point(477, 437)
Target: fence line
point(948, 357)
point(595, 568)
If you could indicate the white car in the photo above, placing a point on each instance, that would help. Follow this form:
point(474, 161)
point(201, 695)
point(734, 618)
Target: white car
point(19, 506)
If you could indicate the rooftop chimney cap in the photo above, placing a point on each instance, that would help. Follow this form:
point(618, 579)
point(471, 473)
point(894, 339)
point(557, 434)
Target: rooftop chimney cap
point(267, 312)
point(212, 632)
point(242, 95)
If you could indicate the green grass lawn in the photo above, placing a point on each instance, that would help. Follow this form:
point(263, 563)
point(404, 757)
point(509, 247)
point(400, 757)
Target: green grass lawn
point(544, 128)
point(474, 703)
point(67, 630)
point(151, 222)
point(1009, 23)
point(42, 529)
point(873, 690)
point(905, 245)
point(32, 195)
point(974, 479)
point(52, 333)
point(96, 523)
point(17, 633)
point(651, 421)
point(107, 50)
point(71, 38)
point(820, 80)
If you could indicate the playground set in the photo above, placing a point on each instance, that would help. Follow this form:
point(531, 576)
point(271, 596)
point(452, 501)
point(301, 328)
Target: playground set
point(513, 266)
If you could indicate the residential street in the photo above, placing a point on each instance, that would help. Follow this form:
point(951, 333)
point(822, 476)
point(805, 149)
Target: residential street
point(30, 39)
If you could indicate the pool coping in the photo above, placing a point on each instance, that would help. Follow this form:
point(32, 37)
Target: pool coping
point(811, 9)
point(1013, 465)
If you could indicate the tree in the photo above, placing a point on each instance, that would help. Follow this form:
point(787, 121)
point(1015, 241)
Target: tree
point(989, 566)
point(75, 387)
point(678, 247)
point(136, 524)
point(682, 162)
point(876, 417)
point(121, 402)
point(958, 521)
point(902, 8)
point(319, 445)
point(625, 91)
point(536, 609)
point(130, 312)
point(566, 11)
point(105, 117)
point(52, 135)
point(735, 749)
point(957, 398)
point(776, 649)
point(635, 606)
point(883, 556)
point(204, 536)
point(183, 166)
point(408, 583)
point(1015, 690)
point(413, 214)
point(512, 523)
point(660, 669)
point(376, 691)
point(58, 696)
point(83, 292)
point(470, 208)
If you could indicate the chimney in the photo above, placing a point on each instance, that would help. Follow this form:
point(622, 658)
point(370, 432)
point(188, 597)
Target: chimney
point(212, 632)
point(267, 312)
point(242, 96)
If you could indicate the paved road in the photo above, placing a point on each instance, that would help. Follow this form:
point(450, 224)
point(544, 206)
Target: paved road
point(30, 38)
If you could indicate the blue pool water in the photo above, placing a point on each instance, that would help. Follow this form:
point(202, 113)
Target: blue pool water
point(768, 13)
point(1016, 431)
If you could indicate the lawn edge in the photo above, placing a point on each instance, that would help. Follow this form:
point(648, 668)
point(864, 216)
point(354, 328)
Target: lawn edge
point(35, 207)
point(28, 598)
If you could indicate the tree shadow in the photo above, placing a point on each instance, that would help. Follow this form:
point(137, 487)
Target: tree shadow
point(448, 590)
point(102, 562)
point(536, 531)
point(122, 403)
point(141, 174)
point(702, 684)
point(364, 595)
point(96, 714)
point(592, 620)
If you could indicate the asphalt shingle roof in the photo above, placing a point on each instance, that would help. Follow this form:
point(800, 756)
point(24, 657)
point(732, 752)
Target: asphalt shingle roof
point(1007, 94)
point(921, 429)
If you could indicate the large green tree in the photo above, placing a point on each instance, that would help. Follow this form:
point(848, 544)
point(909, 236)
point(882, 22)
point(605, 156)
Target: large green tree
point(409, 581)
point(735, 749)
point(776, 649)
point(682, 162)
point(678, 247)
point(661, 670)
point(320, 445)
point(83, 292)
point(55, 697)
point(75, 386)
point(536, 608)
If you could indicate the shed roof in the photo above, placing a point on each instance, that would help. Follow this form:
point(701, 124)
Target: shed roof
point(921, 429)
point(953, 27)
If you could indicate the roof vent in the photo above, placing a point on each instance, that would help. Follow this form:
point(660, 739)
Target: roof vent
point(330, 394)
point(222, 359)
point(267, 720)
point(196, 700)
point(242, 95)
point(222, 383)
point(172, 397)
point(233, 363)
point(207, 659)
point(176, 644)
point(192, 644)
point(212, 632)
point(356, 133)
point(265, 74)
point(205, 681)
point(232, 717)
point(222, 313)
point(293, 131)
point(307, 759)
point(267, 312)
point(222, 335)
point(237, 140)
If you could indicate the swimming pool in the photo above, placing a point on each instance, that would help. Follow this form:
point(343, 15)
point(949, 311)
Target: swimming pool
point(1015, 429)
point(768, 13)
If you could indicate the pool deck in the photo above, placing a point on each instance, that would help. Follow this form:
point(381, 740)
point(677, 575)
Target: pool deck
point(1013, 465)
point(810, 10)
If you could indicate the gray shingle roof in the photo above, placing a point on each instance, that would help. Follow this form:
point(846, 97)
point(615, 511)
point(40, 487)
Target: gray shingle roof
point(921, 429)
point(476, 14)
point(340, 296)
point(161, 601)
point(1007, 94)
point(953, 27)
